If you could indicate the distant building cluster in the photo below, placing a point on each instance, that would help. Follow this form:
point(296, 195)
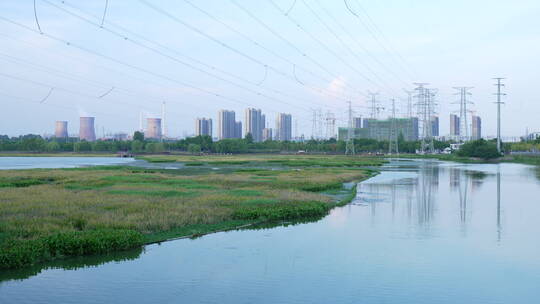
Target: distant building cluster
point(203, 127)
point(255, 123)
point(284, 127)
point(228, 127)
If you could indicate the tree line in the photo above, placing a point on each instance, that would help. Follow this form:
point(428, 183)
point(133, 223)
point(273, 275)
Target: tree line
point(199, 144)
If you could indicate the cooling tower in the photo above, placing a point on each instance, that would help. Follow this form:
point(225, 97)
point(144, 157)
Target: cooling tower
point(61, 131)
point(153, 128)
point(86, 131)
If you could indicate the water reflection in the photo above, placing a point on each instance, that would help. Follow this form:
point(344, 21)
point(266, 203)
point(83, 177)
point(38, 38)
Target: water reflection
point(499, 228)
point(70, 264)
point(429, 179)
point(416, 198)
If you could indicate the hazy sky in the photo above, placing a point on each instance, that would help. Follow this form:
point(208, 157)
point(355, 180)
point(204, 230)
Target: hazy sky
point(231, 54)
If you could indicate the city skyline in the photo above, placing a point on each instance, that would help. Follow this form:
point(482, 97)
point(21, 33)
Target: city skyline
point(64, 82)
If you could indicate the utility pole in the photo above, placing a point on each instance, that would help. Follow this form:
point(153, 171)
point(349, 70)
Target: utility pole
point(393, 140)
point(349, 147)
point(499, 84)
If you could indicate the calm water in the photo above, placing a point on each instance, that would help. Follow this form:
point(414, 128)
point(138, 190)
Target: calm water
point(58, 162)
point(420, 232)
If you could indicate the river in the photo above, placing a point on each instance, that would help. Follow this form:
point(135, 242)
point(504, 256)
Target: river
point(419, 232)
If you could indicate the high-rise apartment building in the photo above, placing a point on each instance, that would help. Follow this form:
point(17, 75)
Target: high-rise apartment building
point(476, 127)
point(454, 125)
point(227, 125)
point(254, 123)
point(203, 127)
point(435, 126)
point(267, 134)
point(237, 129)
point(284, 127)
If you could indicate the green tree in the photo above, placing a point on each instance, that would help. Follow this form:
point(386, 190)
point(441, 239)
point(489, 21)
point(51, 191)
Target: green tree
point(137, 146)
point(154, 147)
point(249, 138)
point(52, 146)
point(479, 148)
point(82, 146)
point(138, 135)
point(194, 148)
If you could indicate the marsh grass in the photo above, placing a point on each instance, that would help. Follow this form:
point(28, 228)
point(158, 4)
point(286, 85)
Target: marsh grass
point(90, 205)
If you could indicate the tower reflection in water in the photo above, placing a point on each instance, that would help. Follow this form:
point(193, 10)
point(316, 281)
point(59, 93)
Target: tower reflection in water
point(418, 198)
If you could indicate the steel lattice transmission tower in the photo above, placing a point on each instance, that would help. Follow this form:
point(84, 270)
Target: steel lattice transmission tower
point(374, 110)
point(426, 106)
point(463, 112)
point(393, 140)
point(499, 94)
point(330, 125)
point(349, 147)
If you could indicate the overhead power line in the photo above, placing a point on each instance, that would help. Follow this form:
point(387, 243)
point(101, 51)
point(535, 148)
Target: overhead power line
point(323, 45)
point(200, 62)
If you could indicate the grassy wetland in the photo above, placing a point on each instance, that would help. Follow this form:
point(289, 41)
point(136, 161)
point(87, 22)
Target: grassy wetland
point(50, 214)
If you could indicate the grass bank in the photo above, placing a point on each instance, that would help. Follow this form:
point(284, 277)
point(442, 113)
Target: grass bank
point(52, 214)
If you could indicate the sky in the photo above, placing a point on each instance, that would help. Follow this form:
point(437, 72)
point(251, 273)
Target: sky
point(76, 58)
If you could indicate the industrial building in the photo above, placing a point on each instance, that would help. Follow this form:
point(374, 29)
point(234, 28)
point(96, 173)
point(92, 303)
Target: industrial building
point(86, 129)
point(454, 125)
point(381, 129)
point(153, 128)
point(228, 127)
point(61, 129)
point(255, 122)
point(284, 127)
point(476, 127)
point(203, 127)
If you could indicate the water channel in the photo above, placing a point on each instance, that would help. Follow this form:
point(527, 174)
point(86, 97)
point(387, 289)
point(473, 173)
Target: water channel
point(419, 232)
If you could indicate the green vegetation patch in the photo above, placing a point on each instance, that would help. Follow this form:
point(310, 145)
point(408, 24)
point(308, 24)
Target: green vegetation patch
point(245, 192)
point(19, 253)
point(158, 193)
point(19, 182)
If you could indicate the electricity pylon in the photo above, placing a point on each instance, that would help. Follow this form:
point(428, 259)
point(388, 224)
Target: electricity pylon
point(393, 140)
point(426, 105)
point(463, 112)
point(349, 147)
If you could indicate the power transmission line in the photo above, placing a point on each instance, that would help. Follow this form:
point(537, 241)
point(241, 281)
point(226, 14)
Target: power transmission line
point(360, 45)
point(322, 44)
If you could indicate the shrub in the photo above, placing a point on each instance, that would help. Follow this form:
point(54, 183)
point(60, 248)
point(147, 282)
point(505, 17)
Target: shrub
point(19, 253)
point(479, 148)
